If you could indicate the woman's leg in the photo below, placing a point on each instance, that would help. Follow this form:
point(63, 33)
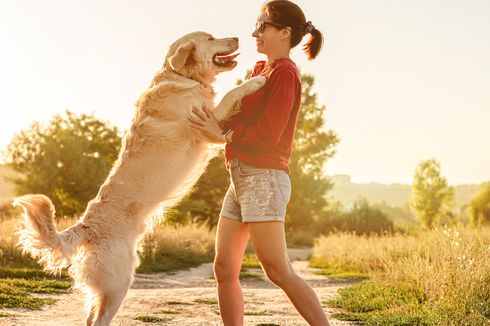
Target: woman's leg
point(231, 241)
point(269, 241)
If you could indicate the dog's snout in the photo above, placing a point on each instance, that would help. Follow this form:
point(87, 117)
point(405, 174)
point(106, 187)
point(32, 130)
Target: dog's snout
point(235, 39)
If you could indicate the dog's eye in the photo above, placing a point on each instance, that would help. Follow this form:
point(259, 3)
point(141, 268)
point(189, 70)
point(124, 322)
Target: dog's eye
point(211, 38)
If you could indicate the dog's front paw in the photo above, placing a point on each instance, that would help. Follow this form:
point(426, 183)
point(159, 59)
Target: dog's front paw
point(255, 83)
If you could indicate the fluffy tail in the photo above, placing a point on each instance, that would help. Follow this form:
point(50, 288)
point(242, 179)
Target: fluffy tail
point(39, 236)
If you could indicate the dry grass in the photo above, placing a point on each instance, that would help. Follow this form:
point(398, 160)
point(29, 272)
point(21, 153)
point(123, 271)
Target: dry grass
point(360, 254)
point(448, 267)
point(6, 187)
point(176, 247)
point(168, 248)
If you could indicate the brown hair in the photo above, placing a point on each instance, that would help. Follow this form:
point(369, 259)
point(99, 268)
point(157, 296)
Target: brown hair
point(289, 14)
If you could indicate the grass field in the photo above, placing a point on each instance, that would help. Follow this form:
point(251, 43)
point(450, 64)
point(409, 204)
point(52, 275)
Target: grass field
point(428, 278)
point(434, 277)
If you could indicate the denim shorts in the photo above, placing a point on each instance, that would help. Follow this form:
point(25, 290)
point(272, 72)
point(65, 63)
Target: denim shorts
point(256, 194)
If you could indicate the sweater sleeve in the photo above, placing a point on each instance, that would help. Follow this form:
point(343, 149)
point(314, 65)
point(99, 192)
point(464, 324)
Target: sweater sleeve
point(269, 127)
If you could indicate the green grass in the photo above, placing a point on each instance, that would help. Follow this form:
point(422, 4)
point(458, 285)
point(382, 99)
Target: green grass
point(245, 274)
point(379, 304)
point(16, 285)
point(6, 314)
point(168, 311)
point(332, 270)
point(206, 301)
point(34, 286)
point(151, 319)
point(251, 261)
point(258, 313)
point(173, 302)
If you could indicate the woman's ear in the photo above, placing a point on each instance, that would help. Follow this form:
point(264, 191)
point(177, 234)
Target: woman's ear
point(285, 32)
point(182, 55)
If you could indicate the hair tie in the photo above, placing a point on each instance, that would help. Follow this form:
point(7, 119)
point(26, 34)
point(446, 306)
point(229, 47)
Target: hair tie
point(309, 27)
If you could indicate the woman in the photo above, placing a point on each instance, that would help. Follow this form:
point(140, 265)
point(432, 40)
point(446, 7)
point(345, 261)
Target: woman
point(258, 146)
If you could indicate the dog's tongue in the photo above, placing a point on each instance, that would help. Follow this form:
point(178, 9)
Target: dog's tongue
point(230, 57)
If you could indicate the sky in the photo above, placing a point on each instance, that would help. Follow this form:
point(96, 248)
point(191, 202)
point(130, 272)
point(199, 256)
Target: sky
point(401, 81)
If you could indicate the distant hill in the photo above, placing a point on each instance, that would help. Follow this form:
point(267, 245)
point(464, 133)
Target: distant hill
point(395, 194)
point(6, 188)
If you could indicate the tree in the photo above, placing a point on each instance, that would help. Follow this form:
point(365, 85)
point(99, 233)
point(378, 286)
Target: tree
point(480, 206)
point(66, 160)
point(313, 146)
point(362, 218)
point(431, 198)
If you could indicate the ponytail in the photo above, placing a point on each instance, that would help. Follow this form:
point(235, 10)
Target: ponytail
point(314, 44)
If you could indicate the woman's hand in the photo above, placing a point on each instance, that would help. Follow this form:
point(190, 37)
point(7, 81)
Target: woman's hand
point(207, 122)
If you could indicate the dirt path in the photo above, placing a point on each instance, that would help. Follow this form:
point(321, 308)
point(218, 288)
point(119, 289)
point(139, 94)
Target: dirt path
point(189, 298)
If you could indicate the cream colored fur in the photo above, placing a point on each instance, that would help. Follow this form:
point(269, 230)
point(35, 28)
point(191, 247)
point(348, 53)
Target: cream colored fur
point(161, 159)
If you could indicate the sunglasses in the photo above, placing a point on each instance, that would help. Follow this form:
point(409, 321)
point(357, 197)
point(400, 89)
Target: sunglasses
point(260, 26)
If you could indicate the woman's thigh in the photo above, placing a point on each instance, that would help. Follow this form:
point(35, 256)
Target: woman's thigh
point(231, 241)
point(269, 241)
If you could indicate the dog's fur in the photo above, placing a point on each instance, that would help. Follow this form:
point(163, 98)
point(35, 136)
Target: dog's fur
point(160, 160)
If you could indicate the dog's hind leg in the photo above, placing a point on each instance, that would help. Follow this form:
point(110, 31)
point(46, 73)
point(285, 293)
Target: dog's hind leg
point(107, 277)
point(106, 307)
point(105, 302)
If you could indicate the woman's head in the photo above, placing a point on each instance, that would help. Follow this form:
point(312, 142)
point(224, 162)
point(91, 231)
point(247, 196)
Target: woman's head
point(283, 22)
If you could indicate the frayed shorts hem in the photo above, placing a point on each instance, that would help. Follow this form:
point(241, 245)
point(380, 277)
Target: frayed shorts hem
point(246, 219)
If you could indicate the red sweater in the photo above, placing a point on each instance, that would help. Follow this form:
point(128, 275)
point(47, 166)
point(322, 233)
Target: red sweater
point(264, 128)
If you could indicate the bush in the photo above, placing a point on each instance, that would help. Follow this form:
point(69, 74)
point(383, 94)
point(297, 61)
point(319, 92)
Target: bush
point(361, 219)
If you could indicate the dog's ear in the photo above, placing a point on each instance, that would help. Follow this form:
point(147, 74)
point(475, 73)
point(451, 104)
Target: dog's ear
point(182, 55)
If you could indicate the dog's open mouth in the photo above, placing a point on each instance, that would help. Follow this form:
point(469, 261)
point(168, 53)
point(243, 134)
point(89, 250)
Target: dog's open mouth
point(224, 59)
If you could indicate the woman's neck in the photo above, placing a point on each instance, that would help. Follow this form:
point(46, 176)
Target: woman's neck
point(272, 57)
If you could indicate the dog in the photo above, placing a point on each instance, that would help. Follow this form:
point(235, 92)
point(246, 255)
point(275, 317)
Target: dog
point(161, 159)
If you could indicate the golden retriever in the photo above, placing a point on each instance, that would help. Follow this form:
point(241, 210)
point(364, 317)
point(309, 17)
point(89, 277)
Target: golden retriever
point(161, 159)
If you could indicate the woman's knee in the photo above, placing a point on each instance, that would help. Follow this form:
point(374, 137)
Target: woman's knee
point(278, 273)
point(225, 271)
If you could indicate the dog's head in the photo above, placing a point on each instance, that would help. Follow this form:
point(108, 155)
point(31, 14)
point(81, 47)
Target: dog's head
point(201, 57)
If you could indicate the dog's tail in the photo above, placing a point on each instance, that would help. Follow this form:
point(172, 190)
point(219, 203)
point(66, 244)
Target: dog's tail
point(39, 237)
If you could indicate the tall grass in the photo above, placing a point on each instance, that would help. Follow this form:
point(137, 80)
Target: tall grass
point(447, 272)
point(168, 248)
point(175, 247)
point(361, 254)
point(10, 254)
